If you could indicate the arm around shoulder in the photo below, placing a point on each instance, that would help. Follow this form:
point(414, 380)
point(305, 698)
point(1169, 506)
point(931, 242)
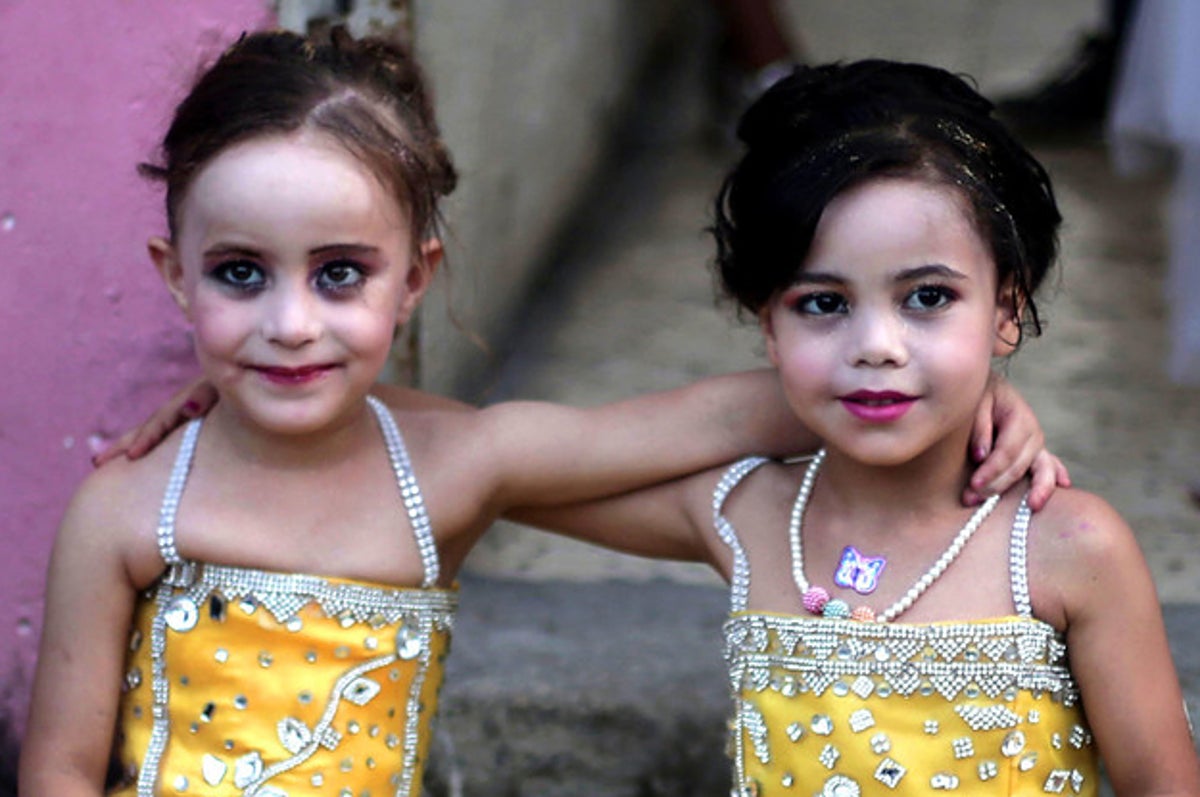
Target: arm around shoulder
point(555, 454)
point(1086, 561)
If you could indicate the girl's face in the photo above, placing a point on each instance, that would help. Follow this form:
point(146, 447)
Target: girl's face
point(884, 342)
point(294, 266)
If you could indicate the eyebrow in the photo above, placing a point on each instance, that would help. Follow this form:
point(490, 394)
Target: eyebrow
point(355, 249)
point(225, 250)
point(904, 275)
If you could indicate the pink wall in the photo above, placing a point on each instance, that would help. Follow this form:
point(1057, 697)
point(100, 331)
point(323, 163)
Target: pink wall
point(89, 340)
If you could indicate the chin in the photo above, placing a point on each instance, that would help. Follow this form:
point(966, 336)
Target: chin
point(296, 418)
point(879, 453)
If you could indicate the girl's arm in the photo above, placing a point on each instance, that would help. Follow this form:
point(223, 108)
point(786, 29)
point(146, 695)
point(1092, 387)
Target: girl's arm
point(555, 454)
point(561, 454)
point(732, 416)
point(667, 521)
point(1085, 558)
point(89, 600)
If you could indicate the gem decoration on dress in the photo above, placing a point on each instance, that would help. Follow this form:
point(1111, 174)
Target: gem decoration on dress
point(817, 600)
point(858, 572)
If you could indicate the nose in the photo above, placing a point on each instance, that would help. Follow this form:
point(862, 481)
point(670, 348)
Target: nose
point(879, 340)
point(291, 317)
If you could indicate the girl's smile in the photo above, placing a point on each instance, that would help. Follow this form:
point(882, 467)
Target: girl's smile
point(292, 376)
point(878, 407)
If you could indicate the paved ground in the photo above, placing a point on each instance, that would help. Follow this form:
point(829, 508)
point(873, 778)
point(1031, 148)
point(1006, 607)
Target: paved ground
point(567, 680)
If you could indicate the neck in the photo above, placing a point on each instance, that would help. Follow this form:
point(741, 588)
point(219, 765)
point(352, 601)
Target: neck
point(249, 442)
point(931, 482)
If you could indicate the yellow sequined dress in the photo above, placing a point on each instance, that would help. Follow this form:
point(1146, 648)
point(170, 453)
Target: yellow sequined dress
point(841, 708)
point(247, 682)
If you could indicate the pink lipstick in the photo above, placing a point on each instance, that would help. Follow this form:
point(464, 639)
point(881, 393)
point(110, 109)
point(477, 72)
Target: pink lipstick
point(292, 376)
point(878, 406)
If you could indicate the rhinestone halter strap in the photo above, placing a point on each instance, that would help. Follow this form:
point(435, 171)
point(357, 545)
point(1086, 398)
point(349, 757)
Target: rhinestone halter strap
point(817, 600)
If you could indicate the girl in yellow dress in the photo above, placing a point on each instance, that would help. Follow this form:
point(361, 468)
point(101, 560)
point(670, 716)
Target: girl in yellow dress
point(889, 235)
point(239, 612)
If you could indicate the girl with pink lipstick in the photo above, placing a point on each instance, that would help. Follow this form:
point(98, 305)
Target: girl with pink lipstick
point(262, 605)
point(889, 235)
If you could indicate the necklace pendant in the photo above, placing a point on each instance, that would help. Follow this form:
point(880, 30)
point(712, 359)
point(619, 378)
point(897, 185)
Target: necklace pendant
point(858, 572)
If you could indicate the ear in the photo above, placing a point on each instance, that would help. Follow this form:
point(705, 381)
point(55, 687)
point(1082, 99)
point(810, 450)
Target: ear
point(166, 260)
point(1008, 323)
point(419, 277)
point(767, 325)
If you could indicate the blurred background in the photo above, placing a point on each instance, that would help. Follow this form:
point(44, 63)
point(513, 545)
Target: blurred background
point(591, 136)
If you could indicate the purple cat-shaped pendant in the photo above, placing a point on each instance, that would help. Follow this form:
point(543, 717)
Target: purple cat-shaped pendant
point(857, 572)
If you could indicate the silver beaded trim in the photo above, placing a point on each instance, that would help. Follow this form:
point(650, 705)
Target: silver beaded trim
point(284, 594)
point(739, 582)
point(814, 654)
point(1018, 559)
point(165, 534)
point(409, 491)
point(412, 720)
point(160, 730)
point(179, 574)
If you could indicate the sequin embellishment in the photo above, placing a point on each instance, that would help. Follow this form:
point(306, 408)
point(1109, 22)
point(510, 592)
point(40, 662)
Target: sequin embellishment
point(889, 773)
point(181, 615)
point(213, 769)
point(840, 786)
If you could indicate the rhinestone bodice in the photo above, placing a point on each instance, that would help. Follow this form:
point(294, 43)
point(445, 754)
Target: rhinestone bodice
point(248, 682)
point(842, 708)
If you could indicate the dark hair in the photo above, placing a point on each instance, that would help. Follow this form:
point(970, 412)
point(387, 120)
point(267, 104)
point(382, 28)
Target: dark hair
point(368, 94)
point(824, 129)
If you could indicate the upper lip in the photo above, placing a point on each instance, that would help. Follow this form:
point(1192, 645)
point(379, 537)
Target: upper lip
point(877, 396)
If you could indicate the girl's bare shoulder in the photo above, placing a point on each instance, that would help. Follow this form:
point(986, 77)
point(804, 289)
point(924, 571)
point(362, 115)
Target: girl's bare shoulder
point(1080, 551)
point(427, 417)
point(116, 506)
point(1080, 525)
point(125, 484)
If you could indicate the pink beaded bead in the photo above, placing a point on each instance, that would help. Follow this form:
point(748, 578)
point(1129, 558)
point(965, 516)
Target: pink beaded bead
point(815, 599)
point(863, 614)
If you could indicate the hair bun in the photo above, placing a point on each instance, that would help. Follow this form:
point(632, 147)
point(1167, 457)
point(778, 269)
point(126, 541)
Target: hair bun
point(814, 99)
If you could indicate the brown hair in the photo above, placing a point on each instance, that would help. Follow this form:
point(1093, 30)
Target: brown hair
point(367, 94)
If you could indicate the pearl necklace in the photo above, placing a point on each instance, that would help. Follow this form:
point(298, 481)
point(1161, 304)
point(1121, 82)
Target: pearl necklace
point(817, 600)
